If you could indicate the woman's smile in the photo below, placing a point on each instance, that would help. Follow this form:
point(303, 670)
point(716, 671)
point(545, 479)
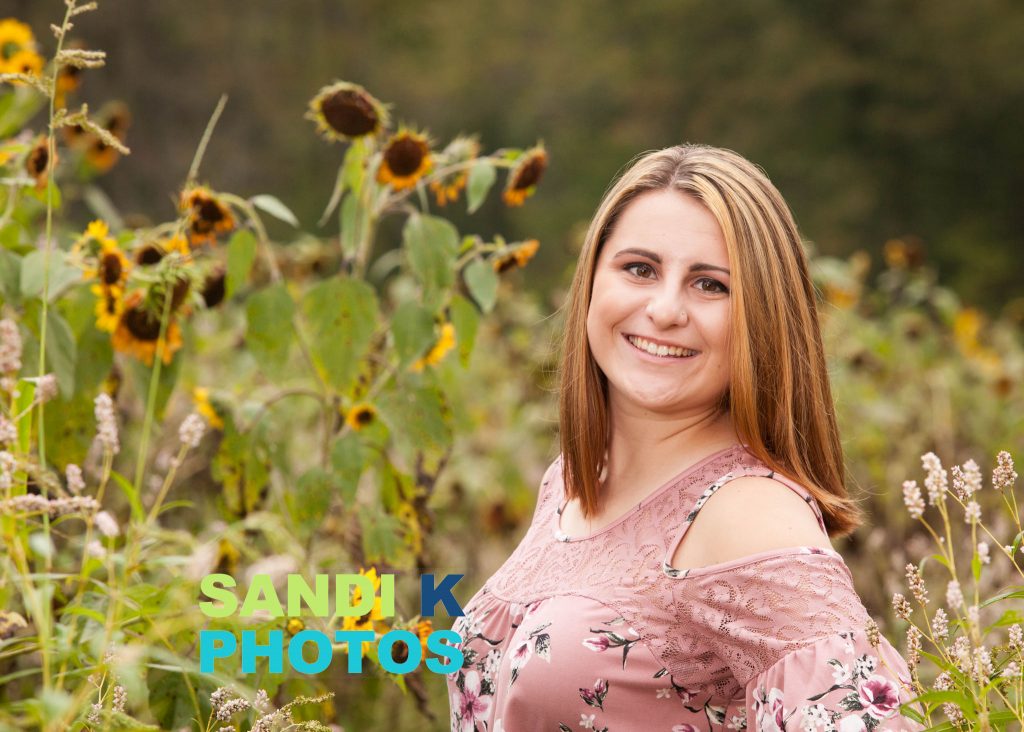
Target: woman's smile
point(659, 351)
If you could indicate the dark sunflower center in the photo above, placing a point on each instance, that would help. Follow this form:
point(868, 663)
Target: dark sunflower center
point(404, 156)
point(530, 174)
point(110, 302)
point(142, 325)
point(213, 290)
point(149, 254)
point(111, 269)
point(400, 652)
point(38, 160)
point(209, 211)
point(349, 113)
point(364, 416)
point(506, 263)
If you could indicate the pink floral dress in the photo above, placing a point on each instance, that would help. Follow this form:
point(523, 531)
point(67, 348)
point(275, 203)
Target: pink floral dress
point(601, 633)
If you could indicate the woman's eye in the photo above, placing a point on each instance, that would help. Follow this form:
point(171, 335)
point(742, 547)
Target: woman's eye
point(640, 269)
point(706, 284)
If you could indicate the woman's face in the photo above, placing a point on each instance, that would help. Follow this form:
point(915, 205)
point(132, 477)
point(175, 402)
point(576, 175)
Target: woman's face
point(661, 283)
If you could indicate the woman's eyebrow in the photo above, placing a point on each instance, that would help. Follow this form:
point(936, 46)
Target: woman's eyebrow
point(656, 258)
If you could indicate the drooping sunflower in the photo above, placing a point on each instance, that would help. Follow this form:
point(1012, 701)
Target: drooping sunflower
point(116, 120)
point(523, 179)
point(460, 150)
point(152, 252)
point(37, 162)
point(360, 416)
point(346, 111)
point(406, 158)
point(208, 216)
point(517, 256)
point(215, 287)
point(201, 400)
point(138, 331)
point(445, 342)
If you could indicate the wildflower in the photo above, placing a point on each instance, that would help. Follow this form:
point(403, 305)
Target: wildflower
point(954, 596)
point(982, 665)
point(201, 400)
point(191, 431)
point(120, 698)
point(406, 158)
point(138, 332)
point(262, 701)
point(46, 387)
point(93, 717)
point(461, 150)
point(109, 307)
point(912, 499)
point(943, 682)
point(37, 163)
point(940, 626)
point(1016, 637)
point(230, 708)
point(871, 629)
point(18, 52)
point(1012, 670)
point(346, 111)
point(8, 432)
point(207, 215)
point(972, 514)
point(901, 606)
point(445, 343)
point(106, 423)
point(913, 647)
point(10, 347)
point(916, 583)
point(107, 524)
point(983, 552)
point(961, 652)
point(517, 257)
point(95, 549)
point(972, 478)
point(523, 179)
point(1004, 475)
point(936, 482)
point(973, 614)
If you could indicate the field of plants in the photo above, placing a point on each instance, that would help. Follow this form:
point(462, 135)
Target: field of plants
point(373, 392)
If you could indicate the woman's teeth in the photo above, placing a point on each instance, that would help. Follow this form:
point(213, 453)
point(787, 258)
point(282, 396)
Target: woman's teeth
point(657, 350)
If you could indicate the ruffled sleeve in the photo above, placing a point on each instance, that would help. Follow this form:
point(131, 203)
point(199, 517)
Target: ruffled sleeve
point(839, 682)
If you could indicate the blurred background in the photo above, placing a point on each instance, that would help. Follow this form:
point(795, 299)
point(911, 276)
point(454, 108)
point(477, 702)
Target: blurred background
point(876, 119)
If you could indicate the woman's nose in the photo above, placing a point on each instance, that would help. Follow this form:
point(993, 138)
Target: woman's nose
point(666, 308)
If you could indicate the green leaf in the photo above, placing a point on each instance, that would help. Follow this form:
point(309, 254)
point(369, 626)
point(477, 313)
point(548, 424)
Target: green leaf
point(431, 244)
point(130, 493)
point(170, 699)
point(241, 255)
point(268, 333)
point(381, 535)
point(976, 567)
point(33, 272)
point(481, 177)
point(352, 224)
point(482, 281)
point(348, 458)
point(342, 313)
point(310, 500)
point(60, 352)
point(418, 418)
point(413, 329)
point(350, 177)
point(10, 275)
point(466, 320)
point(242, 466)
point(273, 206)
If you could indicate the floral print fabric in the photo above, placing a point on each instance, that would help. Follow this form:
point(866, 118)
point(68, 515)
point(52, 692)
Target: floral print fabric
point(599, 633)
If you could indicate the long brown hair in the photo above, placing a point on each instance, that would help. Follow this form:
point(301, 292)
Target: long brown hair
point(779, 396)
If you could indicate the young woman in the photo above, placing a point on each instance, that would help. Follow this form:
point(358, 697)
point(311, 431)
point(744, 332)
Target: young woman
point(678, 573)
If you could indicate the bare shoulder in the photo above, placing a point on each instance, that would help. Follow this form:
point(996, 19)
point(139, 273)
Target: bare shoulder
point(745, 516)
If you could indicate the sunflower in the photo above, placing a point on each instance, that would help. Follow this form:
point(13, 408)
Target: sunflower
point(523, 179)
point(445, 343)
point(18, 49)
point(112, 266)
point(360, 416)
point(423, 630)
point(201, 400)
point(345, 111)
point(214, 287)
point(460, 150)
point(207, 216)
point(365, 622)
point(109, 305)
point(37, 162)
point(517, 257)
point(406, 159)
point(138, 332)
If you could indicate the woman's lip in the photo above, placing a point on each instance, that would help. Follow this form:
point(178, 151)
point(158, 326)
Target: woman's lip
point(653, 357)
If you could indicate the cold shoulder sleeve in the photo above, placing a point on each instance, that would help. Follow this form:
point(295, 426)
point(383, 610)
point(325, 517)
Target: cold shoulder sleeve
point(797, 644)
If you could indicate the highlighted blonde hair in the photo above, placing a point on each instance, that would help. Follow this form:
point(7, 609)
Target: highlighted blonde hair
point(779, 396)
